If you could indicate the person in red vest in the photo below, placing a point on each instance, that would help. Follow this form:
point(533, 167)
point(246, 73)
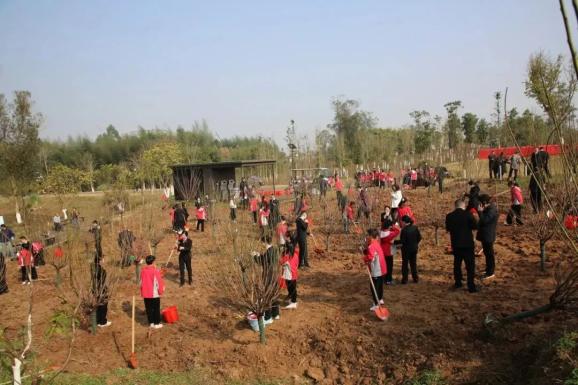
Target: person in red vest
point(254, 207)
point(26, 261)
point(201, 218)
point(264, 221)
point(348, 216)
point(282, 232)
point(152, 288)
point(388, 233)
point(290, 272)
point(404, 209)
point(382, 179)
point(515, 213)
point(374, 258)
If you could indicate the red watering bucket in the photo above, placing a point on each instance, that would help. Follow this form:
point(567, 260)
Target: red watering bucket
point(170, 314)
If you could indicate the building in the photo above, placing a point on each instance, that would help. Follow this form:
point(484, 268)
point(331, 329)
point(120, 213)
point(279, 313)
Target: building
point(220, 178)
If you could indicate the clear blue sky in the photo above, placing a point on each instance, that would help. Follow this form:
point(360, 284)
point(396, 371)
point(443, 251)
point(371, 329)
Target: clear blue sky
point(248, 67)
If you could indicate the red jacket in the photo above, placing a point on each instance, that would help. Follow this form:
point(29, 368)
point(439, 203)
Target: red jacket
point(201, 213)
point(253, 204)
point(151, 279)
point(405, 210)
point(25, 258)
point(516, 193)
point(338, 184)
point(263, 217)
point(282, 232)
point(387, 237)
point(349, 212)
point(375, 259)
point(290, 265)
point(571, 222)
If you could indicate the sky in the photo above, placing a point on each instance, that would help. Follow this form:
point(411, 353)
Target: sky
point(249, 67)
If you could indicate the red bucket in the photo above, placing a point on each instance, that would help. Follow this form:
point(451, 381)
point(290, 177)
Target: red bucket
point(170, 314)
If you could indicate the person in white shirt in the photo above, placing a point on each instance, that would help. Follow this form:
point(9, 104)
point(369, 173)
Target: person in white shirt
point(395, 196)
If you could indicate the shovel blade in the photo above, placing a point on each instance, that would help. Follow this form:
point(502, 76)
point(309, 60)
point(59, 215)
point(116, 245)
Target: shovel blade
point(133, 363)
point(382, 313)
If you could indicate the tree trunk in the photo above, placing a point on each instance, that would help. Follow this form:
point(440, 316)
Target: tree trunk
point(436, 237)
point(17, 372)
point(527, 314)
point(262, 337)
point(93, 322)
point(137, 270)
point(542, 255)
point(58, 278)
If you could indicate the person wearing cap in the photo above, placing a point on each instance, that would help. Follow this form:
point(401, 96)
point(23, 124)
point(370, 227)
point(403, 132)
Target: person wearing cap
point(152, 288)
point(409, 240)
point(302, 225)
point(460, 224)
point(487, 224)
point(184, 246)
point(6, 239)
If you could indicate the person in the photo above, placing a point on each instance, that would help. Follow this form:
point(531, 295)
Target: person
point(125, 241)
point(290, 272)
point(515, 213)
point(75, 217)
point(363, 204)
point(243, 193)
point(404, 209)
point(96, 232)
point(264, 221)
point(180, 219)
point(535, 160)
point(409, 240)
point(281, 232)
point(186, 214)
point(502, 165)
point(57, 223)
point(491, 163)
point(413, 178)
point(269, 261)
point(233, 210)
point(396, 196)
point(6, 239)
point(473, 196)
point(201, 218)
point(274, 214)
point(487, 224)
point(26, 261)
point(386, 214)
point(323, 185)
point(515, 161)
point(38, 253)
point(543, 160)
point(184, 246)
point(440, 175)
point(152, 288)
point(348, 216)
point(535, 192)
point(338, 189)
point(254, 207)
point(374, 258)
point(389, 231)
point(100, 292)
point(3, 283)
point(460, 224)
point(302, 225)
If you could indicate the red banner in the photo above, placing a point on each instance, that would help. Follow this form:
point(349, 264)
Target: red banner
point(525, 151)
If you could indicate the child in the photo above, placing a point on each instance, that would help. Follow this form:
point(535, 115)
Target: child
point(201, 218)
point(517, 201)
point(376, 263)
point(348, 216)
point(26, 261)
point(282, 232)
point(387, 234)
point(253, 206)
point(409, 239)
point(290, 263)
point(151, 289)
point(233, 210)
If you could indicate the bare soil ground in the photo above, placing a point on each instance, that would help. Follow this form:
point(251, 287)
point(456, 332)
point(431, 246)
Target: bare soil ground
point(332, 335)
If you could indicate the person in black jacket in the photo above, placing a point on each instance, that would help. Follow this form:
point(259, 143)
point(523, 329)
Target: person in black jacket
point(410, 238)
point(535, 192)
point(100, 291)
point(487, 231)
point(460, 224)
point(302, 232)
point(184, 246)
point(180, 218)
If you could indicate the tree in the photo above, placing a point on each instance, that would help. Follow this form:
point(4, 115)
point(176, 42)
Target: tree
point(469, 122)
point(19, 146)
point(482, 131)
point(424, 131)
point(156, 162)
point(63, 181)
point(453, 123)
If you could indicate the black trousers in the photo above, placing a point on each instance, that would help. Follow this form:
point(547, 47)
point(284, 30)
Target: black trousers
point(490, 259)
point(233, 214)
point(465, 255)
point(378, 284)
point(441, 185)
point(339, 197)
point(273, 312)
point(153, 309)
point(303, 260)
point(101, 311)
point(408, 258)
point(24, 273)
point(536, 199)
point(254, 216)
point(292, 289)
point(515, 214)
point(513, 171)
point(185, 262)
point(389, 264)
point(201, 225)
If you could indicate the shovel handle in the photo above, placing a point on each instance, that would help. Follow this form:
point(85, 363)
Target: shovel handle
point(372, 284)
point(132, 325)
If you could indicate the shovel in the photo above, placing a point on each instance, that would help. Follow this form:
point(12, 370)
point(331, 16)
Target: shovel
point(132, 361)
point(165, 267)
point(316, 248)
point(380, 311)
